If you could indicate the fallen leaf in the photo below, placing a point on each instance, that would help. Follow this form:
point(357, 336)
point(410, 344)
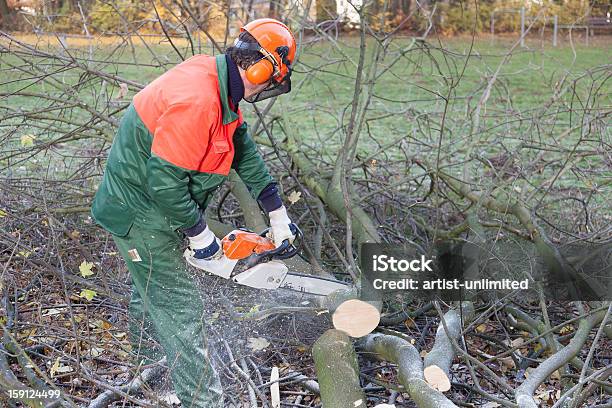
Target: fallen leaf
point(170, 399)
point(123, 90)
point(517, 342)
point(481, 328)
point(213, 317)
point(85, 269)
point(54, 367)
point(2, 213)
point(257, 343)
point(58, 368)
point(254, 309)
point(409, 323)
point(294, 197)
point(87, 294)
point(27, 140)
point(51, 312)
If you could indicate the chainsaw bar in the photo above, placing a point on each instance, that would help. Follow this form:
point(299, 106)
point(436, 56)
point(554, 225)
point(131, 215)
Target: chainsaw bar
point(313, 285)
point(275, 275)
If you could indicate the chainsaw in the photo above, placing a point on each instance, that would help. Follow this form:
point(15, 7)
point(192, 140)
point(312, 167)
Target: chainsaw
point(252, 259)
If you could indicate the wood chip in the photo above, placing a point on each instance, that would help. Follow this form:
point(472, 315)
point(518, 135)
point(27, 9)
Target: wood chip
point(275, 388)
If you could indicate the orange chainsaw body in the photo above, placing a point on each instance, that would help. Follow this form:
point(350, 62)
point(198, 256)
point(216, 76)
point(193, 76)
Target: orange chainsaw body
point(242, 244)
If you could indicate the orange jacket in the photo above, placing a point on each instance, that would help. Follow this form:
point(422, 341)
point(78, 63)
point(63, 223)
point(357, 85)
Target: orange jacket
point(189, 127)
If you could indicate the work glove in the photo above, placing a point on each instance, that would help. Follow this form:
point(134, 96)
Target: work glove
point(281, 226)
point(205, 246)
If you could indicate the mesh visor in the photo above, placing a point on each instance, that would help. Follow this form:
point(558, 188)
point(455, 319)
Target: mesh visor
point(274, 89)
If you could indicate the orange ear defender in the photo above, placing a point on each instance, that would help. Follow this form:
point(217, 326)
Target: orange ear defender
point(275, 41)
point(260, 72)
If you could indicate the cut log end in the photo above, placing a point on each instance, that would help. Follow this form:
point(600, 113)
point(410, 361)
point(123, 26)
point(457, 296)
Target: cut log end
point(437, 378)
point(356, 318)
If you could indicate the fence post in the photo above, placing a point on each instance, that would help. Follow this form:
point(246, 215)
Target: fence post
point(522, 26)
point(555, 28)
point(493, 22)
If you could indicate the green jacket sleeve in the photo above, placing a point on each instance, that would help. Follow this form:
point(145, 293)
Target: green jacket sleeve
point(248, 162)
point(168, 186)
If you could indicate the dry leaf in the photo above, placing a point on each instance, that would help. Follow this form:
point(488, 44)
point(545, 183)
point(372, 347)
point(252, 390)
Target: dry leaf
point(257, 343)
point(57, 368)
point(51, 312)
point(123, 91)
point(27, 140)
point(85, 269)
point(2, 213)
point(294, 197)
point(171, 399)
point(87, 294)
point(481, 328)
point(517, 342)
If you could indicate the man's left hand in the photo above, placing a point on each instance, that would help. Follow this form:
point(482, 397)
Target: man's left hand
point(281, 226)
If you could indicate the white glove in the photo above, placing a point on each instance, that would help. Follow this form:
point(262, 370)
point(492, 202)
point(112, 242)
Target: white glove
point(280, 226)
point(205, 245)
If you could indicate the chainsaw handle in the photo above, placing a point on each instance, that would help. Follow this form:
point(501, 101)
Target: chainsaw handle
point(294, 229)
point(283, 251)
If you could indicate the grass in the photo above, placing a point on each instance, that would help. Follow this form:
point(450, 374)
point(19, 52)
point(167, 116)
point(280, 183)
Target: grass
point(408, 100)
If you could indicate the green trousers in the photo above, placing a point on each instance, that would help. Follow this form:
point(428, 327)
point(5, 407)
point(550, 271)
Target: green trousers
point(166, 306)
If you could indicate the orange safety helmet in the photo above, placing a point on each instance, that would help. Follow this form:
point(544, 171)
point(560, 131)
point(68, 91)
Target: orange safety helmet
point(276, 43)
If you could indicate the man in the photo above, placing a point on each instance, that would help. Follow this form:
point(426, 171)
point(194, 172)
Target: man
point(175, 146)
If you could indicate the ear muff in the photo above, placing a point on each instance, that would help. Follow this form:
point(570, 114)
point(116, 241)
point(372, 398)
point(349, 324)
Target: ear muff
point(260, 72)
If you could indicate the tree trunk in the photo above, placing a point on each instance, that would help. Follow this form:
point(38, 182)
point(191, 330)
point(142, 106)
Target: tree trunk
point(272, 9)
point(6, 15)
point(326, 10)
point(337, 371)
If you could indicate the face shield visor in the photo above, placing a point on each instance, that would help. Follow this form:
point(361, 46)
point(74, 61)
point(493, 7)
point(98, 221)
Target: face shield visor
point(273, 89)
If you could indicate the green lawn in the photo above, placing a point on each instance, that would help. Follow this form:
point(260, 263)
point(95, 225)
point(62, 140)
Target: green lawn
point(408, 99)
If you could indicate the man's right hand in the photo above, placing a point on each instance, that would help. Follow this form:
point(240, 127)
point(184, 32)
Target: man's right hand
point(206, 252)
point(205, 245)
